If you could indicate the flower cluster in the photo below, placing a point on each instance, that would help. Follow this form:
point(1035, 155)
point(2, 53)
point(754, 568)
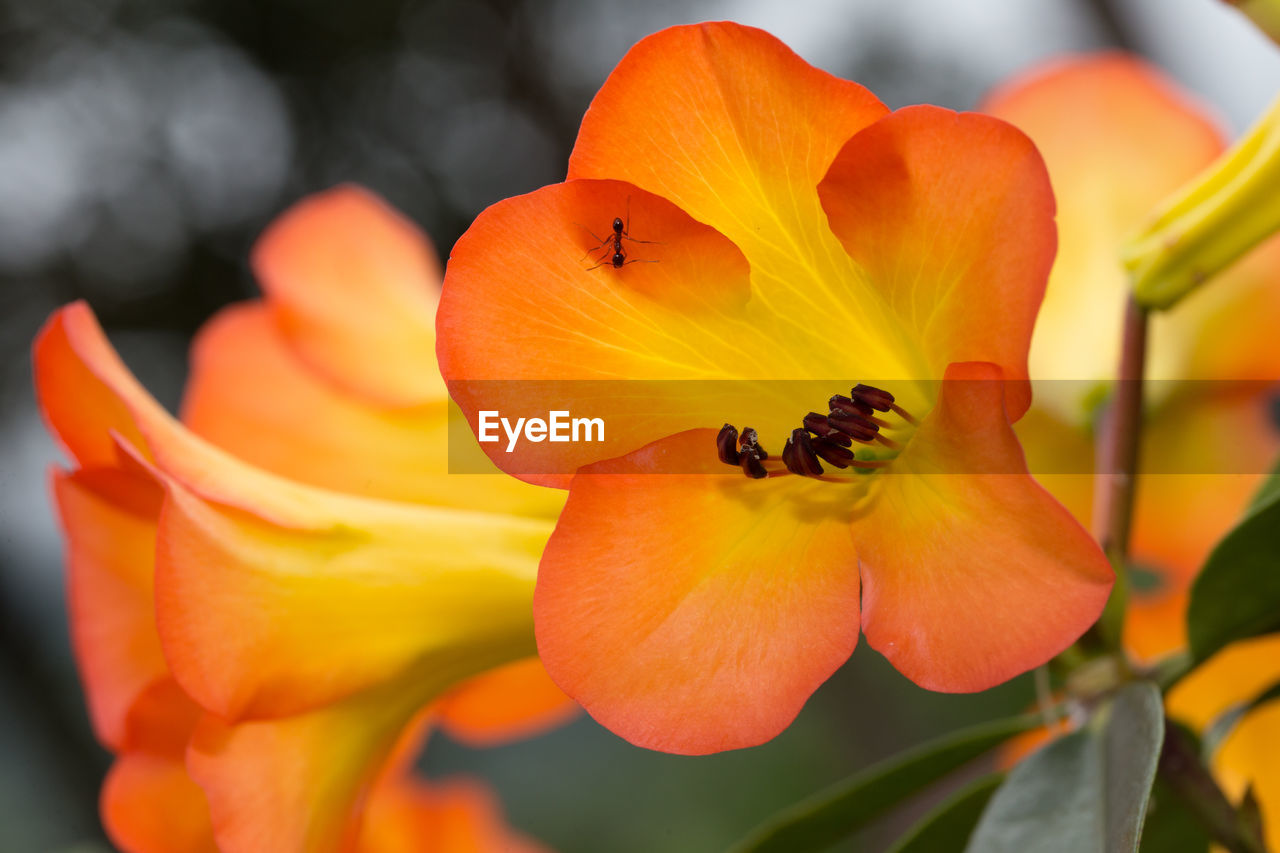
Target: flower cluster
point(273, 601)
point(277, 596)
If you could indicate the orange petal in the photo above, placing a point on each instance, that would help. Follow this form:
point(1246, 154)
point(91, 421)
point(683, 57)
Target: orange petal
point(766, 127)
point(1248, 758)
point(97, 408)
point(1202, 457)
point(700, 615)
point(515, 701)
point(951, 217)
point(353, 285)
point(126, 427)
point(81, 409)
point(256, 572)
point(150, 805)
point(161, 719)
point(971, 572)
point(243, 605)
point(299, 782)
point(1059, 455)
point(249, 394)
point(1018, 747)
point(522, 305)
point(109, 521)
point(1238, 673)
point(730, 125)
point(1118, 137)
point(408, 816)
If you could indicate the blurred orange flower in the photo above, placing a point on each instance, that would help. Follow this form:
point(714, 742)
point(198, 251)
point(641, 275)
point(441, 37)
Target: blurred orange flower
point(796, 230)
point(1118, 138)
point(258, 644)
point(1247, 757)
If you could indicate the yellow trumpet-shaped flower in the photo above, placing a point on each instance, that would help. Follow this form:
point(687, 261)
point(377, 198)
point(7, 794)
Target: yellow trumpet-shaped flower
point(262, 643)
point(1264, 13)
point(1222, 214)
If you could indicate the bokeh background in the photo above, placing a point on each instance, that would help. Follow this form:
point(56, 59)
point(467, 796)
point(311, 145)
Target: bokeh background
point(143, 145)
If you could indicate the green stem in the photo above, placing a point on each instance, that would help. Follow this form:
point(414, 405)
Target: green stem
point(1191, 782)
point(1118, 455)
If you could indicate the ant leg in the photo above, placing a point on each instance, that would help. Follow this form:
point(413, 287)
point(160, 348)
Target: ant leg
point(624, 263)
point(600, 241)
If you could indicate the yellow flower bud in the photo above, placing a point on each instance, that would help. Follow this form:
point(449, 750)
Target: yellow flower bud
point(1264, 13)
point(1222, 214)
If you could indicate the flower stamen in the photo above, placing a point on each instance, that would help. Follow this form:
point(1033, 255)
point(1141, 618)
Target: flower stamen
point(745, 452)
point(822, 437)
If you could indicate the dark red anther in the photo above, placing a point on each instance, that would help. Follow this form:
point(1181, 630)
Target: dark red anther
point(854, 426)
point(832, 452)
point(752, 467)
point(817, 424)
point(789, 458)
point(877, 399)
point(828, 438)
point(799, 456)
point(751, 441)
point(727, 444)
point(847, 405)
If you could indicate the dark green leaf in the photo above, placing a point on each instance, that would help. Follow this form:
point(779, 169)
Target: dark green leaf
point(1250, 813)
point(1087, 791)
point(830, 815)
point(947, 828)
point(1170, 826)
point(1237, 593)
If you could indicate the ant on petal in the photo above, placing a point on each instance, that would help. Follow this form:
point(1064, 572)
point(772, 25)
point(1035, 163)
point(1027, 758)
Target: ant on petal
point(612, 252)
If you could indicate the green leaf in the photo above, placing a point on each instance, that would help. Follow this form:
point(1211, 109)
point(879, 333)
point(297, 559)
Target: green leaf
point(1249, 813)
point(1087, 791)
point(948, 826)
point(1237, 593)
point(1170, 826)
point(832, 814)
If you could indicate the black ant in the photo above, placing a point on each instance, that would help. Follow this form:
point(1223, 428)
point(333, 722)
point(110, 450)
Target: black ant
point(614, 253)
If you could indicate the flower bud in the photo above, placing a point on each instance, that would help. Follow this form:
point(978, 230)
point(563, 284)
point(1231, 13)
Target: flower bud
point(1222, 214)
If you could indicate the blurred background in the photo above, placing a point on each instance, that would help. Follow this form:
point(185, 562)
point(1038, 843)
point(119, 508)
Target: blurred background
point(143, 145)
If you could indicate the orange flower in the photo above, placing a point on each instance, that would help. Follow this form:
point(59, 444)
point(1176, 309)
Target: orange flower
point(256, 647)
point(798, 231)
point(1229, 682)
point(1118, 137)
point(149, 802)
